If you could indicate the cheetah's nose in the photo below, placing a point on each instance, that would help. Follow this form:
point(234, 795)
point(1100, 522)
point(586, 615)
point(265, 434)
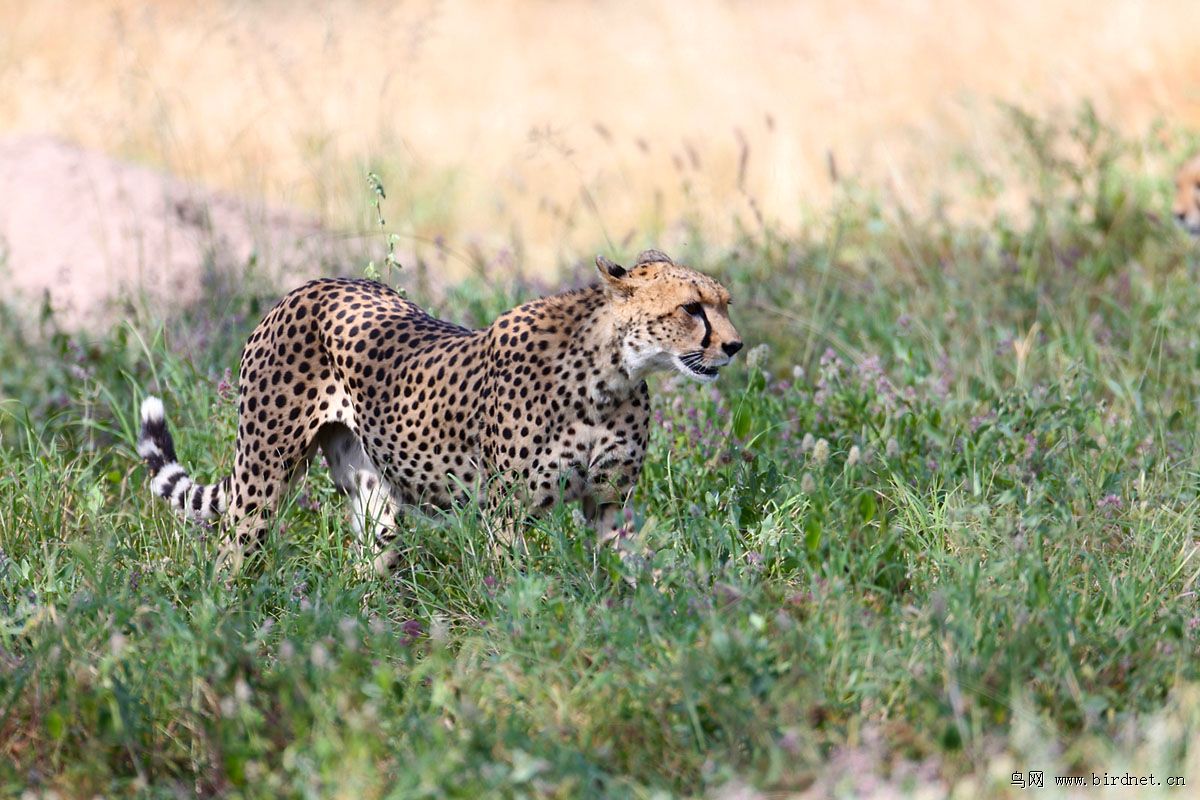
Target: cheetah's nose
point(731, 347)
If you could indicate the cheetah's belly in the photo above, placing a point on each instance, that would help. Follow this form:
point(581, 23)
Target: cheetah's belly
point(434, 473)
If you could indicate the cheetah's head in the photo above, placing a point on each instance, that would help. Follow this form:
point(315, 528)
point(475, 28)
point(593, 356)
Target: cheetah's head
point(669, 317)
point(1187, 196)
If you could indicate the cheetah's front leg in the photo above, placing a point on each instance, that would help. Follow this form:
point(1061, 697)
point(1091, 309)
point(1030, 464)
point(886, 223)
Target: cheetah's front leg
point(502, 516)
point(612, 475)
point(606, 517)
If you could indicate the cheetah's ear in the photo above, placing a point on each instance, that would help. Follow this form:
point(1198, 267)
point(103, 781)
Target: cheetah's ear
point(653, 257)
point(609, 269)
point(614, 276)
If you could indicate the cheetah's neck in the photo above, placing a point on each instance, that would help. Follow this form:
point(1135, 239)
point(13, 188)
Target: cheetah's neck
point(617, 371)
point(589, 329)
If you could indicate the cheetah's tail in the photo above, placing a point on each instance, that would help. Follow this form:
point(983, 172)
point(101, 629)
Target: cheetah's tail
point(168, 479)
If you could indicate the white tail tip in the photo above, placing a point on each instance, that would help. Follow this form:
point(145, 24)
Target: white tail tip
point(152, 410)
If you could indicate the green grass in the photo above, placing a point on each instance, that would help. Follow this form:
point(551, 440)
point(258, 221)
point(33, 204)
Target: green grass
point(945, 529)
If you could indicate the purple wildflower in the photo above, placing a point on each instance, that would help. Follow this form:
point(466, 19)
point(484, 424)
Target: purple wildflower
point(869, 371)
point(412, 630)
point(979, 420)
point(225, 388)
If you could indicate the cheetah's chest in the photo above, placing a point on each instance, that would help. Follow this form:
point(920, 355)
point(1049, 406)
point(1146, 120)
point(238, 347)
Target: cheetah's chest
point(582, 457)
point(576, 462)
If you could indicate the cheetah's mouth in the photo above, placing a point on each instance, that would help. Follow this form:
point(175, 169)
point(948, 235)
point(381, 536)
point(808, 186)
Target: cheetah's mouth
point(693, 364)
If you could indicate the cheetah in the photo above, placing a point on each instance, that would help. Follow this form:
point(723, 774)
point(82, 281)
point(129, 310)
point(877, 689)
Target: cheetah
point(547, 404)
point(1187, 196)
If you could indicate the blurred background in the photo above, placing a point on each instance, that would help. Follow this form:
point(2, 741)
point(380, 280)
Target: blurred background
point(526, 134)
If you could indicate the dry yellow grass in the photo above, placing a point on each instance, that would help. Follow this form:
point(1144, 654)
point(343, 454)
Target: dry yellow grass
point(553, 125)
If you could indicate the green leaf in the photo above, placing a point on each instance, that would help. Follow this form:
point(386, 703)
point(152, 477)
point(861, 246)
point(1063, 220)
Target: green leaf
point(742, 420)
point(867, 505)
point(812, 534)
point(235, 769)
point(56, 726)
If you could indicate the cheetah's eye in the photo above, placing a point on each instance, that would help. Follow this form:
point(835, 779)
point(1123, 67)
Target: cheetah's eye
point(694, 309)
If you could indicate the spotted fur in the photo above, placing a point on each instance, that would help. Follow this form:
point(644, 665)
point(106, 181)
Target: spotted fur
point(547, 404)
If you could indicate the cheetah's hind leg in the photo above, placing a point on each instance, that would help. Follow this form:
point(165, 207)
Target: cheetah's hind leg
point(249, 530)
point(373, 511)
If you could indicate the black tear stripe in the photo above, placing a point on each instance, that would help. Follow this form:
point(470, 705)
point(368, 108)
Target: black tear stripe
point(707, 329)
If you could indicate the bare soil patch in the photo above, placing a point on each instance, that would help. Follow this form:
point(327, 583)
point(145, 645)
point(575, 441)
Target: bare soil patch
point(85, 229)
